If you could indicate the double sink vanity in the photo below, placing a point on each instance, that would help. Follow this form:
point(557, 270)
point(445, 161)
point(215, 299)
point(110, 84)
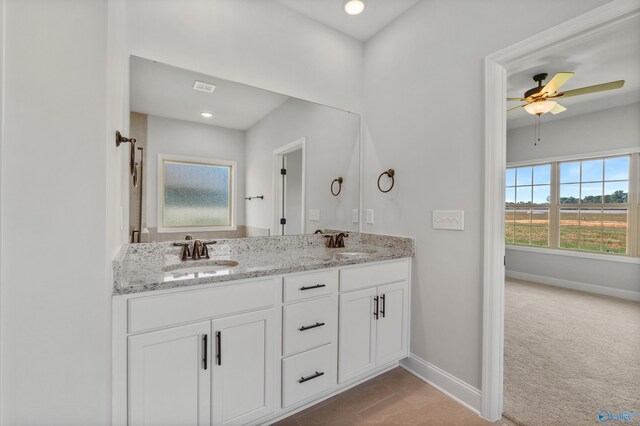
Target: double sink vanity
point(261, 329)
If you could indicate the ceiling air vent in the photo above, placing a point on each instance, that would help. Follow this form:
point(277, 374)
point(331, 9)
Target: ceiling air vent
point(203, 87)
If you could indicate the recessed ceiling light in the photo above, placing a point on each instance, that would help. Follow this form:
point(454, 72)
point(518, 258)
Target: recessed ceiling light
point(206, 114)
point(203, 87)
point(354, 7)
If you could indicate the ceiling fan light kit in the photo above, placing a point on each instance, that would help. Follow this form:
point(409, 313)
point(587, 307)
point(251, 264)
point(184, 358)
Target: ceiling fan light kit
point(540, 107)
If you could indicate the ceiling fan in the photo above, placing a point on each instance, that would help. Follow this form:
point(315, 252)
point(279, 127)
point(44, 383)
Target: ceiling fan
point(539, 100)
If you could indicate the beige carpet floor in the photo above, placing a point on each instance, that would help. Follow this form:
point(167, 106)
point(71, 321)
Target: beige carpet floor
point(568, 355)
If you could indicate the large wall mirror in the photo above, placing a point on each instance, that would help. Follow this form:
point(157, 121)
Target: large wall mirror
point(219, 159)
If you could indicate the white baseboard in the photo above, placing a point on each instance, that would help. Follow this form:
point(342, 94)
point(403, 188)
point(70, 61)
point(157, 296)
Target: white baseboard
point(575, 285)
point(450, 385)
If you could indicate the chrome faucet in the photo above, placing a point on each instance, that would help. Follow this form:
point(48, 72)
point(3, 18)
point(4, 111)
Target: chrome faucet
point(199, 250)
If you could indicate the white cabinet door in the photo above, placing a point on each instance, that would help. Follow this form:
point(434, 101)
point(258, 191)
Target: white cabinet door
point(391, 333)
point(357, 337)
point(168, 382)
point(243, 367)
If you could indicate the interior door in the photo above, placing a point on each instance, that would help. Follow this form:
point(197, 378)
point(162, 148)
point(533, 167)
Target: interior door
point(391, 330)
point(169, 382)
point(357, 335)
point(243, 369)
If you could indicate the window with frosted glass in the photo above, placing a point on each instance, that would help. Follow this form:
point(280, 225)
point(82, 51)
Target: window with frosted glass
point(527, 201)
point(196, 195)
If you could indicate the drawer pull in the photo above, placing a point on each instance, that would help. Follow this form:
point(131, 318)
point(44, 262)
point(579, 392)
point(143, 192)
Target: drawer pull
point(375, 312)
point(309, 327)
point(384, 304)
point(306, 379)
point(219, 348)
point(205, 345)
point(312, 287)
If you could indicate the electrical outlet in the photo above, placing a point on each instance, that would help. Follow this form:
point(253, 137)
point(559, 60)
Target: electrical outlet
point(448, 219)
point(369, 215)
point(354, 216)
point(314, 215)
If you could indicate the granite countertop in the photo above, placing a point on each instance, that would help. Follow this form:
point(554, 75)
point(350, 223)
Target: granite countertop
point(157, 266)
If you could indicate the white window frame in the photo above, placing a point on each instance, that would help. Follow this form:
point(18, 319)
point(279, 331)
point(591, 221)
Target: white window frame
point(233, 192)
point(633, 204)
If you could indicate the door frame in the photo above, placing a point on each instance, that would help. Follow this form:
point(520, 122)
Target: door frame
point(497, 65)
point(285, 149)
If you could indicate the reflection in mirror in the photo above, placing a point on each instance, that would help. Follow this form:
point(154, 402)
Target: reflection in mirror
point(225, 160)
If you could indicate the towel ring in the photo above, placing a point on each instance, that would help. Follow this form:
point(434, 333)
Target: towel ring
point(390, 173)
point(339, 180)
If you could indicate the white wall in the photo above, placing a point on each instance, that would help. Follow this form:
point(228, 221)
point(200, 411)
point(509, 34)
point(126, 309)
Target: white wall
point(177, 137)
point(331, 151)
point(55, 308)
point(611, 129)
point(424, 103)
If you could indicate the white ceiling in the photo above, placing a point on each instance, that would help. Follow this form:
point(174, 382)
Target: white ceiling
point(610, 57)
point(377, 14)
point(165, 91)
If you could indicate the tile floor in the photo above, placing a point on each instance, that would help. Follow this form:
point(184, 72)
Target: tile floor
point(396, 397)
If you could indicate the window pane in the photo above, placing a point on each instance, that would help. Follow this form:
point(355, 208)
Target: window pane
point(523, 176)
point(510, 195)
point(509, 227)
point(616, 192)
point(569, 193)
point(510, 177)
point(521, 235)
point(569, 228)
point(509, 215)
point(570, 172)
point(541, 194)
point(590, 229)
point(196, 195)
point(540, 227)
point(592, 171)
point(591, 192)
point(523, 194)
point(614, 238)
point(616, 168)
point(522, 217)
point(542, 174)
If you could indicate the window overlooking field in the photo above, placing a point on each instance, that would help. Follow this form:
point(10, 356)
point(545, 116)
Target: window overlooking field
point(195, 195)
point(578, 205)
point(527, 205)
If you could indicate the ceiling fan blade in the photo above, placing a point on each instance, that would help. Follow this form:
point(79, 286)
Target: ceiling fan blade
point(554, 84)
point(593, 89)
point(515, 108)
point(557, 109)
point(516, 99)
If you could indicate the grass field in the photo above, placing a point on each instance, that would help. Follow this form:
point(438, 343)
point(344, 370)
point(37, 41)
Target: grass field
point(592, 230)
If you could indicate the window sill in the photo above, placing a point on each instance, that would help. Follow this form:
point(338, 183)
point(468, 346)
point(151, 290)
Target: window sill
point(578, 254)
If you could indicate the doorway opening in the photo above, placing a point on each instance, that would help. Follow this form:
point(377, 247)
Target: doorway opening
point(289, 189)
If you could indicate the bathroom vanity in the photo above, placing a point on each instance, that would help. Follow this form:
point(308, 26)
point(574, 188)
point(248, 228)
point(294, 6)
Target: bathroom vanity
point(293, 323)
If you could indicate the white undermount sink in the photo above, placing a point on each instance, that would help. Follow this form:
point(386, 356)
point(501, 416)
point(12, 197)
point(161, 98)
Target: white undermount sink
point(201, 269)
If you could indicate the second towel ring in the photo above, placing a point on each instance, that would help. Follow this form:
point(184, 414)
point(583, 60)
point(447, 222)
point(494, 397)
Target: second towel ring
point(339, 180)
point(390, 173)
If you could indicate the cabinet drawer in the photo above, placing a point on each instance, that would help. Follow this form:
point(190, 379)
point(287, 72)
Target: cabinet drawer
point(308, 374)
point(147, 313)
point(314, 284)
point(372, 275)
point(309, 324)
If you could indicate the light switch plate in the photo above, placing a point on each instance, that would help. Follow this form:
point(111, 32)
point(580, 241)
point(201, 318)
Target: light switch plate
point(314, 214)
point(369, 215)
point(354, 216)
point(448, 219)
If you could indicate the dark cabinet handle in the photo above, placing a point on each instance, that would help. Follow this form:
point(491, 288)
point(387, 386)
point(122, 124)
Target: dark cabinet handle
point(312, 287)
point(306, 379)
point(309, 327)
point(384, 304)
point(219, 347)
point(375, 312)
point(205, 349)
